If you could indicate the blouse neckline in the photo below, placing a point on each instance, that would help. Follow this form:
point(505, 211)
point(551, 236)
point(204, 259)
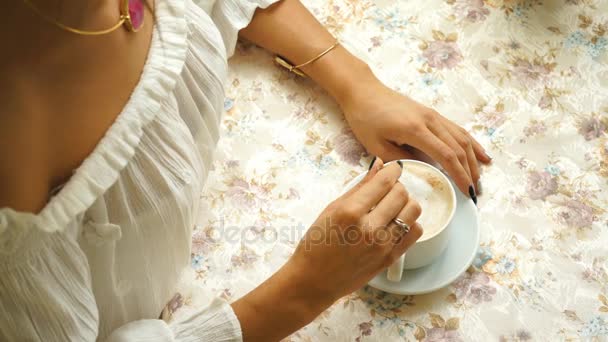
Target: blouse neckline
point(100, 170)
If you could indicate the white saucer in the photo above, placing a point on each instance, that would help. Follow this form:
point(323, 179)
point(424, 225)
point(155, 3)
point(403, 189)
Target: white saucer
point(455, 260)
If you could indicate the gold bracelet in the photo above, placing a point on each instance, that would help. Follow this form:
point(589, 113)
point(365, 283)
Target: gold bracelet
point(296, 68)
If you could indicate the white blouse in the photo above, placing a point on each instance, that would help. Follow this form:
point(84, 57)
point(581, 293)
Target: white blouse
point(104, 256)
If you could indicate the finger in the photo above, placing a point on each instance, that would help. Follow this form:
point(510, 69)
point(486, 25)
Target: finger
point(480, 152)
point(442, 153)
point(391, 151)
point(442, 132)
point(409, 214)
point(406, 242)
point(370, 193)
point(375, 166)
point(389, 207)
point(473, 165)
point(465, 142)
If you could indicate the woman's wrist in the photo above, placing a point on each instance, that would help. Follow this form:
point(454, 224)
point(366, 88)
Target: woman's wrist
point(289, 30)
point(341, 74)
point(281, 305)
point(310, 291)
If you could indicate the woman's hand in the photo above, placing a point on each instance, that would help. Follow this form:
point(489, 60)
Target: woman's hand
point(385, 121)
point(349, 244)
point(382, 119)
point(352, 240)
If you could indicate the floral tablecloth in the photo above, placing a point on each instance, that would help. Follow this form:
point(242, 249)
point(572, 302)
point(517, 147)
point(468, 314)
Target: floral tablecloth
point(528, 78)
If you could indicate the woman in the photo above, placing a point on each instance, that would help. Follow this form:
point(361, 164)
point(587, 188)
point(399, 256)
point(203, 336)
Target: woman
point(106, 141)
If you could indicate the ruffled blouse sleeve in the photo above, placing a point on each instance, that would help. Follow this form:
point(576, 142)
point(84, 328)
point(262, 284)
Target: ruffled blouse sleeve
point(46, 293)
point(216, 322)
point(230, 16)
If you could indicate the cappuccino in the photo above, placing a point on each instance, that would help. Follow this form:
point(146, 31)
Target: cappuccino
point(436, 197)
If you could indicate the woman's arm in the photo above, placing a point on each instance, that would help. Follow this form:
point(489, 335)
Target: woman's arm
point(319, 273)
point(343, 249)
point(383, 120)
point(288, 29)
point(281, 305)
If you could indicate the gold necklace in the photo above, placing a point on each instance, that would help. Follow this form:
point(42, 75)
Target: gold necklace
point(131, 16)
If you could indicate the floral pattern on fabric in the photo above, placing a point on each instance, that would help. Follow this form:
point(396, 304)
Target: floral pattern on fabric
point(527, 78)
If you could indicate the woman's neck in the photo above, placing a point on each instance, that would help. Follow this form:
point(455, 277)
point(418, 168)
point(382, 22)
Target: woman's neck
point(29, 37)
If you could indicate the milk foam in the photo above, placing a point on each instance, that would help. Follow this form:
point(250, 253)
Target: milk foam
point(427, 187)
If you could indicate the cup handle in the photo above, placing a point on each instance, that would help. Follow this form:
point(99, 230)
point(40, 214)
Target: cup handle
point(395, 271)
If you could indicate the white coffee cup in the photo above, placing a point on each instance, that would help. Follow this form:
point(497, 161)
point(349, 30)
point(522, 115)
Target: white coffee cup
point(437, 212)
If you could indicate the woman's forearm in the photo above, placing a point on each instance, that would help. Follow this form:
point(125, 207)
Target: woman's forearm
point(290, 30)
point(279, 306)
point(283, 304)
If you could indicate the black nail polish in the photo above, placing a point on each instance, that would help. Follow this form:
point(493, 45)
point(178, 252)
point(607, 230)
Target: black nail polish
point(400, 163)
point(372, 163)
point(472, 194)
